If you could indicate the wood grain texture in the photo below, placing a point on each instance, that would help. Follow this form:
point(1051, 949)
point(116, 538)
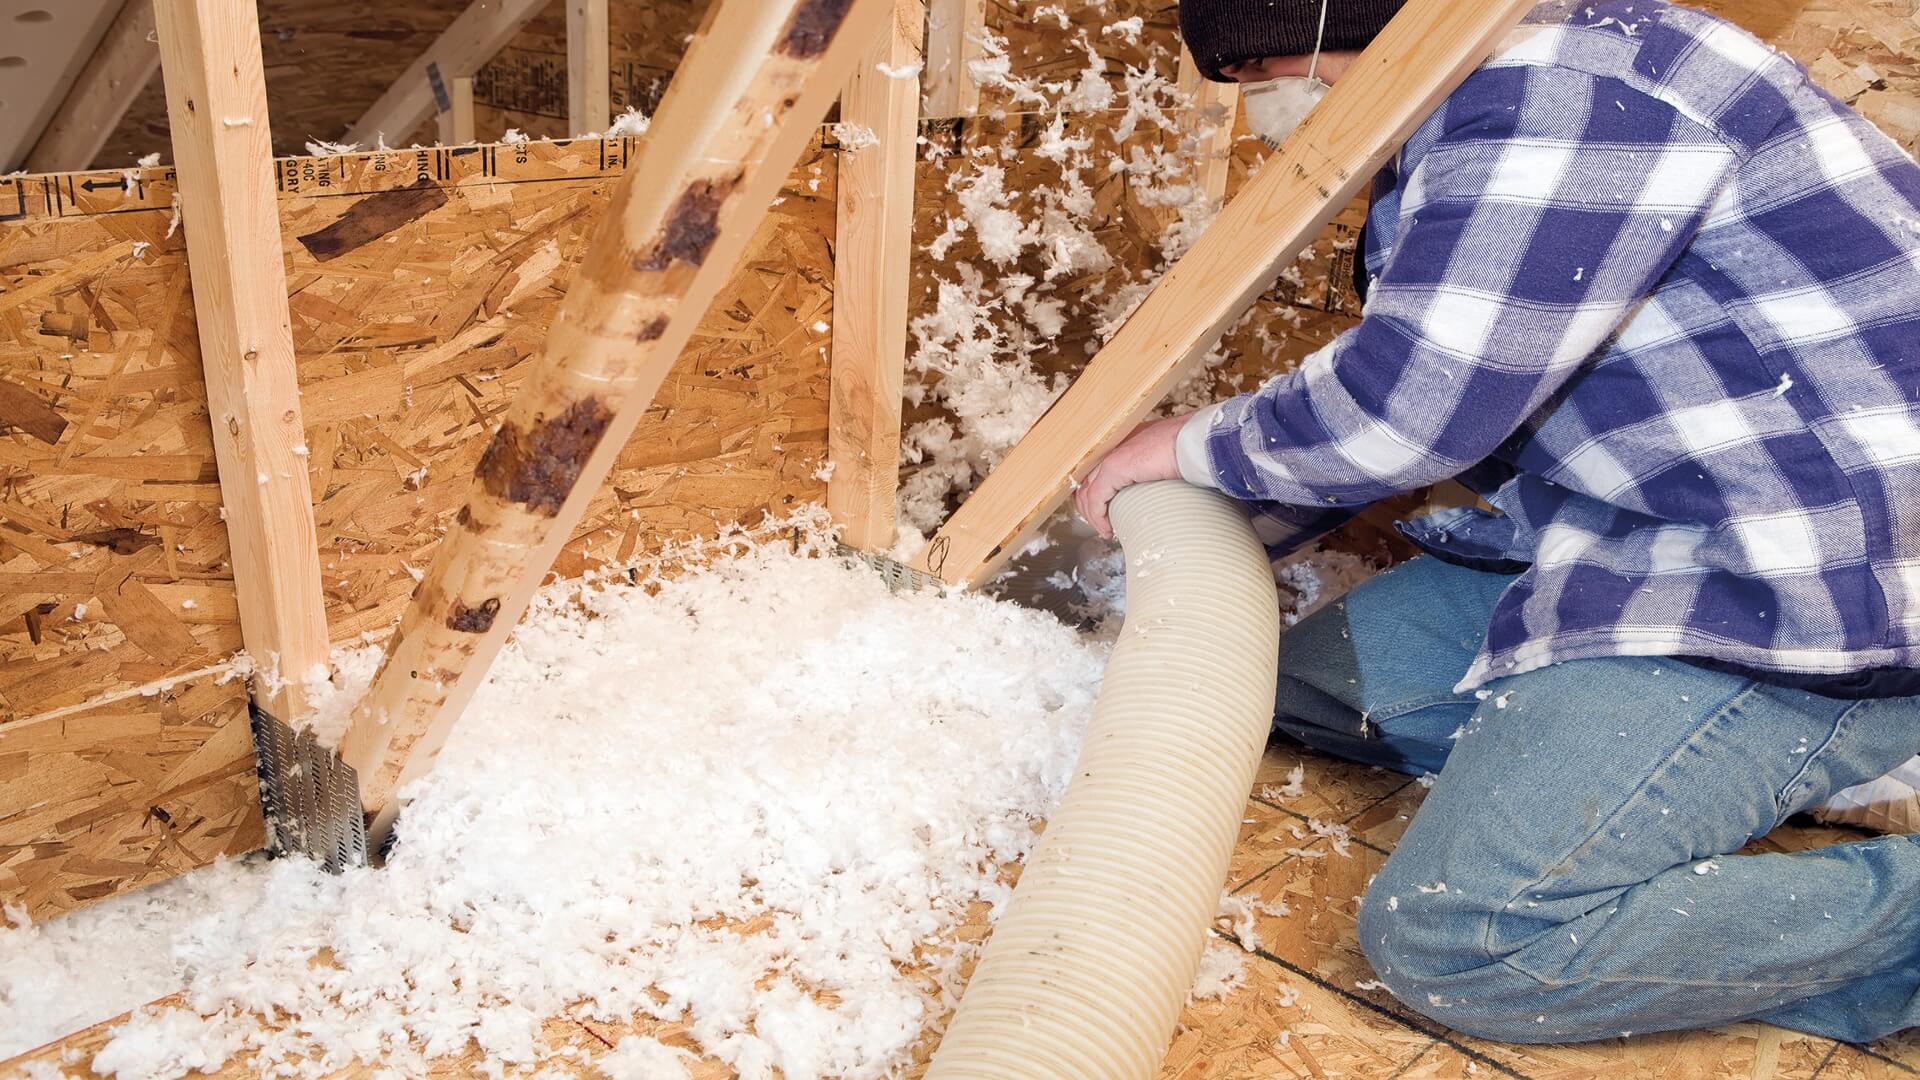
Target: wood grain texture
point(589, 55)
point(105, 337)
point(468, 42)
point(757, 79)
point(409, 347)
point(1214, 108)
point(217, 102)
point(525, 86)
point(954, 29)
point(1430, 46)
point(114, 564)
point(455, 123)
point(326, 63)
point(112, 80)
point(113, 796)
point(873, 255)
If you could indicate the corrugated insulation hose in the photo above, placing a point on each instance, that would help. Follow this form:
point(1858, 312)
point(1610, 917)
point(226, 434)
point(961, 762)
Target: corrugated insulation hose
point(1091, 962)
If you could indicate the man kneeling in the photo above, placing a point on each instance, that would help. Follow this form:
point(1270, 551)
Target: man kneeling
point(1656, 297)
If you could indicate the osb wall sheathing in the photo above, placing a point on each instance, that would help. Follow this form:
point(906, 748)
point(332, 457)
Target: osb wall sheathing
point(420, 284)
point(125, 793)
point(327, 62)
point(111, 549)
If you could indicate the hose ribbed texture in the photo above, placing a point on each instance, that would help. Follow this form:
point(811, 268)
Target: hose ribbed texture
point(1090, 964)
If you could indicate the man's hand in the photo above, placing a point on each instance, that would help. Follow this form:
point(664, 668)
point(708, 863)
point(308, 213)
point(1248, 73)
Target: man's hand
point(1144, 456)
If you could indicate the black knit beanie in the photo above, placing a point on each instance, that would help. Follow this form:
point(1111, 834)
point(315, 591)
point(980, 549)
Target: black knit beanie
point(1222, 32)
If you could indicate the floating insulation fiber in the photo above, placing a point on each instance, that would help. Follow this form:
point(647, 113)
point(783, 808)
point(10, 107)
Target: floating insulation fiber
point(757, 799)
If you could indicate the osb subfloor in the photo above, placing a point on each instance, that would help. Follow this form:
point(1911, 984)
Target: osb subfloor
point(1333, 1028)
point(1336, 1029)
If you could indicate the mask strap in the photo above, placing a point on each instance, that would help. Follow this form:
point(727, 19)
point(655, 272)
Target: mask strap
point(1321, 37)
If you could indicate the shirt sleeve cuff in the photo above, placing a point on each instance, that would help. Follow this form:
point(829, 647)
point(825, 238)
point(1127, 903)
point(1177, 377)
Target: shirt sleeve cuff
point(1190, 448)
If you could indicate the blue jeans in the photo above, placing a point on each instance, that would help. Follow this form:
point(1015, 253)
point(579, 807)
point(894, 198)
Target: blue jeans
point(1582, 826)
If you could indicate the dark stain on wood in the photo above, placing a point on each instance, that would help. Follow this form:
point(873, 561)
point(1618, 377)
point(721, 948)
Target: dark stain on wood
point(653, 330)
point(537, 468)
point(23, 410)
point(33, 617)
point(74, 326)
point(812, 27)
point(473, 620)
point(374, 217)
point(119, 541)
point(692, 225)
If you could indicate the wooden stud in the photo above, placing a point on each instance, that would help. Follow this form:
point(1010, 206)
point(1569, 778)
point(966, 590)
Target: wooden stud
point(456, 120)
point(873, 250)
point(223, 151)
point(482, 30)
point(589, 77)
point(111, 778)
point(756, 79)
point(1210, 125)
point(954, 32)
point(120, 68)
point(1427, 51)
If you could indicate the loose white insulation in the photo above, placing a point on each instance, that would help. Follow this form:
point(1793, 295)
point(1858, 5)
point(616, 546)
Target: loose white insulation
point(771, 741)
point(974, 352)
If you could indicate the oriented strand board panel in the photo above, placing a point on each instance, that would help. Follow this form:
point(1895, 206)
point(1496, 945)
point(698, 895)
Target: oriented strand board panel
point(420, 282)
point(125, 793)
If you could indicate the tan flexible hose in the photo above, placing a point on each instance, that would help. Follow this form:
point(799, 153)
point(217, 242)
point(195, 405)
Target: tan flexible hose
point(1090, 964)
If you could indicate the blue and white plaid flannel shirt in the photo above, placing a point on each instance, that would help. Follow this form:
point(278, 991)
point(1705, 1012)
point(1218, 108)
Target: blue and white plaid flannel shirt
point(1656, 296)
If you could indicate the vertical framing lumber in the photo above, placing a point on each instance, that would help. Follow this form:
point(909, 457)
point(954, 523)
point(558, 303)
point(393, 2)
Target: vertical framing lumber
point(954, 31)
point(456, 120)
point(223, 152)
point(756, 80)
point(873, 249)
point(480, 32)
point(1429, 49)
point(1209, 124)
point(120, 68)
point(589, 72)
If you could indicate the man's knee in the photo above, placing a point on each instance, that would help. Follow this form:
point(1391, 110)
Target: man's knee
point(1428, 942)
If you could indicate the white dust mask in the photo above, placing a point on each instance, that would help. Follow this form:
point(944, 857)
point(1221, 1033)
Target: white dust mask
point(1275, 107)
